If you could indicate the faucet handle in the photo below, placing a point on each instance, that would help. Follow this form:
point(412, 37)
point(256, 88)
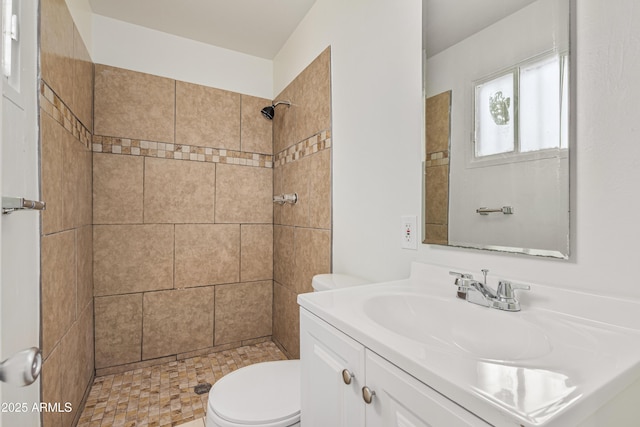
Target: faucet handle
point(484, 274)
point(461, 278)
point(505, 289)
point(462, 281)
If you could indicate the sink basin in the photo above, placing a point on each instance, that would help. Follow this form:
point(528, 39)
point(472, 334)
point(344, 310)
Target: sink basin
point(452, 325)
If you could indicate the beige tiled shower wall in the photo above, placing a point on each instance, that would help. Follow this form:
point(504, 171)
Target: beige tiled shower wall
point(66, 99)
point(183, 220)
point(302, 232)
point(438, 131)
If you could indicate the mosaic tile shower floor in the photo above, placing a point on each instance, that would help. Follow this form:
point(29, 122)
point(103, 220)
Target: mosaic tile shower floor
point(163, 395)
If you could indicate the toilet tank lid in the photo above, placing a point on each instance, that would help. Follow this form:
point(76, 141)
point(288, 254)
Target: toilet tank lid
point(325, 282)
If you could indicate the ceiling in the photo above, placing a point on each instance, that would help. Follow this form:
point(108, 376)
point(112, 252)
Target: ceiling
point(261, 27)
point(255, 27)
point(447, 22)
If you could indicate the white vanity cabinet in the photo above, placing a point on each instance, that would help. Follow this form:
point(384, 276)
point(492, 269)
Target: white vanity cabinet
point(399, 400)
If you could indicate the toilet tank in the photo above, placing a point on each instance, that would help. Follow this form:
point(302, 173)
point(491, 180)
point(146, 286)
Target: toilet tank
point(326, 282)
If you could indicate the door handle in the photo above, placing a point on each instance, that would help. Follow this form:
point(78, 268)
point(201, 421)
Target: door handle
point(23, 368)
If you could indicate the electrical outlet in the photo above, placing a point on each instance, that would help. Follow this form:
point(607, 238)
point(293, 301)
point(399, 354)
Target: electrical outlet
point(409, 232)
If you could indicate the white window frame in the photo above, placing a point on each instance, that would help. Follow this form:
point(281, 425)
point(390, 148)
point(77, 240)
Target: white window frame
point(474, 161)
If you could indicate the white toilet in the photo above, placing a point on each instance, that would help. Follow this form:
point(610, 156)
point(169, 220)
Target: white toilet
point(265, 394)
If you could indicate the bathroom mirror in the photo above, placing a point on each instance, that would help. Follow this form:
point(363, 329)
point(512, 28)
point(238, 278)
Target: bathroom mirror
point(496, 152)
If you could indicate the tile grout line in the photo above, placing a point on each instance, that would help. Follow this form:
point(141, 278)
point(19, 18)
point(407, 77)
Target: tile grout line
point(141, 324)
point(175, 111)
point(240, 133)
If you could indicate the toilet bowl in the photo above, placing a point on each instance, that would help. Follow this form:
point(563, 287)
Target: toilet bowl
point(265, 394)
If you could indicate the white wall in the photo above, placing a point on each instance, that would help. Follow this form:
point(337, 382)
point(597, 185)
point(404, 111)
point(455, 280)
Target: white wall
point(377, 135)
point(129, 46)
point(376, 123)
point(124, 45)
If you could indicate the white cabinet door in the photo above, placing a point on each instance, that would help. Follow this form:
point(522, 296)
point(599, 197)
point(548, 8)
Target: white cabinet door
point(326, 400)
point(400, 400)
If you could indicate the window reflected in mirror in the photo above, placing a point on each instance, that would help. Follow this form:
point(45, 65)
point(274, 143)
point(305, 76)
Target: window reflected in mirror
point(524, 109)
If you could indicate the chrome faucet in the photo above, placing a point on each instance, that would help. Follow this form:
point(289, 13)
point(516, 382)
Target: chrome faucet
point(480, 293)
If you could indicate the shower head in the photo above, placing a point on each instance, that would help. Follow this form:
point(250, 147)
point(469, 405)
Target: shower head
point(270, 110)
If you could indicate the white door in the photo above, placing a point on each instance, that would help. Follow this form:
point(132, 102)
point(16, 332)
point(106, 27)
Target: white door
point(19, 231)
point(326, 398)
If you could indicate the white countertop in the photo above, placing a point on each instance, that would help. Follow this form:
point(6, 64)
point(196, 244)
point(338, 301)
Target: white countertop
point(577, 352)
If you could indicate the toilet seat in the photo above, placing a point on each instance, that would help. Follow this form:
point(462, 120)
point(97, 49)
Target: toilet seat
point(265, 394)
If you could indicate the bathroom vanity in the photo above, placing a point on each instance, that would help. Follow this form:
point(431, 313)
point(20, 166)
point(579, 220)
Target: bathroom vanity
point(409, 353)
point(340, 375)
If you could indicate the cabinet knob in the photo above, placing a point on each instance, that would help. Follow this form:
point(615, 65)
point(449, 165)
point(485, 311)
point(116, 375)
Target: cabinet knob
point(367, 394)
point(347, 376)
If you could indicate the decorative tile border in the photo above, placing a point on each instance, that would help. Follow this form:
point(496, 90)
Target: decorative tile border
point(136, 147)
point(440, 158)
point(53, 105)
point(304, 148)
